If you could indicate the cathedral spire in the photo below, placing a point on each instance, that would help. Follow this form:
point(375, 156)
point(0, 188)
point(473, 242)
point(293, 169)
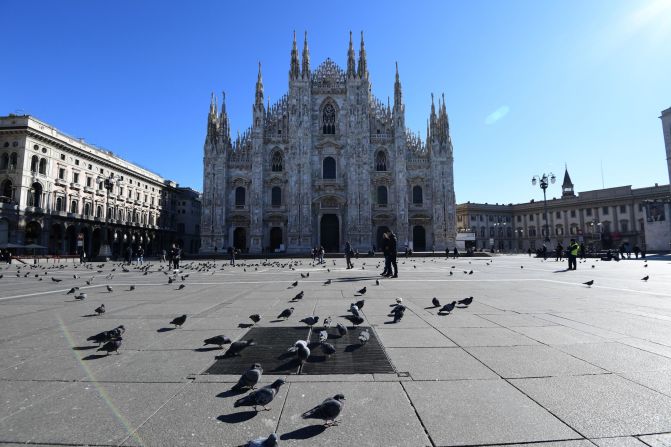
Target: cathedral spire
point(398, 97)
point(223, 119)
point(213, 105)
point(259, 90)
point(294, 71)
point(433, 110)
point(306, 58)
point(362, 69)
point(351, 67)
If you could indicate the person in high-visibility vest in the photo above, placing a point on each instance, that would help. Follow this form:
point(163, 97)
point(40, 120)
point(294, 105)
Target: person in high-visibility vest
point(573, 254)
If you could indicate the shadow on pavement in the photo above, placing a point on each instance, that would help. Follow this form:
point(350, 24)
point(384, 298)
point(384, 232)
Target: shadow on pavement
point(304, 433)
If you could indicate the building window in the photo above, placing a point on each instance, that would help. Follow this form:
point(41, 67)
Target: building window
point(381, 195)
point(276, 164)
point(328, 119)
point(558, 215)
point(604, 210)
point(519, 218)
point(35, 161)
point(4, 161)
point(61, 173)
point(482, 232)
point(62, 156)
point(572, 213)
point(381, 161)
point(276, 196)
point(491, 231)
point(88, 182)
point(99, 211)
point(240, 194)
point(87, 209)
point(6, 190)
point(73, 207)
point(417, 195)
point(623, 208)
point(59, 204)
point(43, 166)
point(329, 168)
point(624, 226)
point(75, 177)
point(532, 231)
point(531, 217)
point(35, 195)
point(13, 160)
point(588, 212)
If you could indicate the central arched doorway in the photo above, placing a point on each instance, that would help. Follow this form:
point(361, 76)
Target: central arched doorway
point(380, 236)
point(418, 238)
point(33, 232)
point(240, 239)
point(330, 233)
point(275, 238)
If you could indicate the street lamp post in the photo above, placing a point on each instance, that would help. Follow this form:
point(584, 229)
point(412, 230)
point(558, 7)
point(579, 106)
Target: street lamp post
point(105, 249)
point(543, 180)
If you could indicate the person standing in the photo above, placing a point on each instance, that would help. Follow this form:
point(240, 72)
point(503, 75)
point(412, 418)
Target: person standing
point(348, 255)
point(140, 255)
point(573, 254)
point(129, 254)
point(163, 256)
point(392, 255)
point(320, 254)
point(176, 258)
point(637, 250)
point(385, 253)
point(559, 252)
point(455, 252)
point(232, 251)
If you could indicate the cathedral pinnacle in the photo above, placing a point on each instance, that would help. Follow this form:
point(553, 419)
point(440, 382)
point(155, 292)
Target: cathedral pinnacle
point(397, 89)
point(294, 71)
point(259, 89)
point(213, 105)
point(223, 120)
point(362, 69)
point(351, 67)
point(306, 58)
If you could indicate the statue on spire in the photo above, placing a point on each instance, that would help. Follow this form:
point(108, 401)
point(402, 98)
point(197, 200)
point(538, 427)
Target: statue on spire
point(306, 58)
point(351, 65)
point(294, 71)
point(259, 90)
point(362, 69)
point(397, 90)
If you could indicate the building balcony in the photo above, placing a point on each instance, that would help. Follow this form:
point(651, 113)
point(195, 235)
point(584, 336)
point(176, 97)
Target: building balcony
point(100, 192)
point(76, 186)
point(61, 182)
point(88, 189)
point(129, 200)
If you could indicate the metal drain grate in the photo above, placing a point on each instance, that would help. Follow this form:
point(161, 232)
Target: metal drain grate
point(273, 342)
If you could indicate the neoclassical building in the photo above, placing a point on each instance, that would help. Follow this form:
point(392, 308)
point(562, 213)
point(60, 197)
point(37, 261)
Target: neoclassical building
point(62, 193)
point(327, 163)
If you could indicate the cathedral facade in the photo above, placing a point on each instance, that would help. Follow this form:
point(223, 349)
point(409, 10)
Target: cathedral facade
point(326, 164)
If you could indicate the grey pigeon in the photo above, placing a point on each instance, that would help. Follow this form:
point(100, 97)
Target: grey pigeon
point(238, 346)
point(73, 290)
point(109, 289)
point(327, 282)
point(328, 349)
point(100, 338)
point(645, 278)
point(299, 296)
point(131, 288)
point(355, 310)
point(81, 296)
point(399, 312)
point(219, 340)
point(466, 301)
point(260, 397)
point(364, 336)
point(589, 283)
point(377, 282)
point(449, 307)
point(249, 378)
point(181, 286)
point(100, 309)
point(323, 336)
point(327, 322)
point(359, 304)
point(179, 321)
point(356, 320)
point(294, 284)
point(310, 321)
point(342, 330)
point(435, 302)
point(327, 411)
point(270, 441)
point(255, 318)
point(362, 291)
point(286, 313)
point(111, 346)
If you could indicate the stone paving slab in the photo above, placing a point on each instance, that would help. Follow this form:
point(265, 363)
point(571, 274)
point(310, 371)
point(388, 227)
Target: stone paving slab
point(617, 357)
point(626, 441)
point(497, 336)
point(602, 405)
point(438, 364)
point(482, 412)
point(511, 319)
point(660, 440)
point(405, 338)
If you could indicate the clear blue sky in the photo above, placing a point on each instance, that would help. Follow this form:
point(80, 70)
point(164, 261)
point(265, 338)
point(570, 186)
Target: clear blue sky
point(530, 85)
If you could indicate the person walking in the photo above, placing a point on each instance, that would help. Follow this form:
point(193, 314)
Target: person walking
point(573, 254)
point(559, 252)
point(348, 255)
point(637, 250)
point(163, 256)
point(140, 255)
point(177, 256)
point(232, 252)
point(320, 254)
point(455, 252)
point(392, 254)
point(385, 253)
point(129, 255)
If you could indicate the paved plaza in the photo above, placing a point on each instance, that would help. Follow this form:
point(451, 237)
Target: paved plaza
point(537, 357)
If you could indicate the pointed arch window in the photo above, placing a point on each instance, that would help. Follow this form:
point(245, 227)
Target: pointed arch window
point(277, 162)
point(382, 195)
point(59, 204)
point(34, 163)
point(74, 207)
point(329, 119)
point(240, 196)
point(381, 161)
point(417, 195)
point(276, 196)
point(4, 161)
point(329, 168)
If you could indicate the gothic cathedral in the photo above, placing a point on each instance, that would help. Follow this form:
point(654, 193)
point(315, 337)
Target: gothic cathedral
point(326, 164)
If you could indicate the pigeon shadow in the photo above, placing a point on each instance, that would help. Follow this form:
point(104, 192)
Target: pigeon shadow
point(442, 314)
point(276, 321)
point(431, 307)
point(94, 356)
point(213, 348)
point(230, 393)
point(165, 329)
point(245, 325)
point(236, 418)
point(286, 355)
point(83, 348)
point(89, 315)
point(462, 307)
point(561, 271)
point(316, 359)
point(304, 432)
point(353, 347)
point(390, 322)
point(286, 366)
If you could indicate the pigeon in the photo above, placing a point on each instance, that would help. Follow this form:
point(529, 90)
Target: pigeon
point(342, 330)
point(310, 321)
point(270, 441)
point(100, 338)
point(435, 302)
point(111, 346)
point(327, 411)
point(328, 349)
point(377, 282)
point(295, 346)
point(449, 307)
point(399, 313)
point(55, 279)
point(75, 276)
point(260, 397)
point(255, 318)
point(364, 336)
point(179, 321)
point(355, 319)
point(302, 352)
point(169, 280)
point(323, 336)
point(466, 301)
point(327, 282)
point(238, 346)
point(645, 278)
point(131, 288)
point(354, 309)
point(303, 276)
point(471, 272)
point(73, 290)
point(294, 284)
point(286, 313)
point(645, 265)
point(399, 300)
point(362, 291)
point(451, 273)
point(219, 340)
point(249, 378)
point(100, 309)
point(81, 297)
point(589, 283)
point(181, 286)
point(360, 304)
point(117, 332)
point(109, 289)
point(299, 296)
